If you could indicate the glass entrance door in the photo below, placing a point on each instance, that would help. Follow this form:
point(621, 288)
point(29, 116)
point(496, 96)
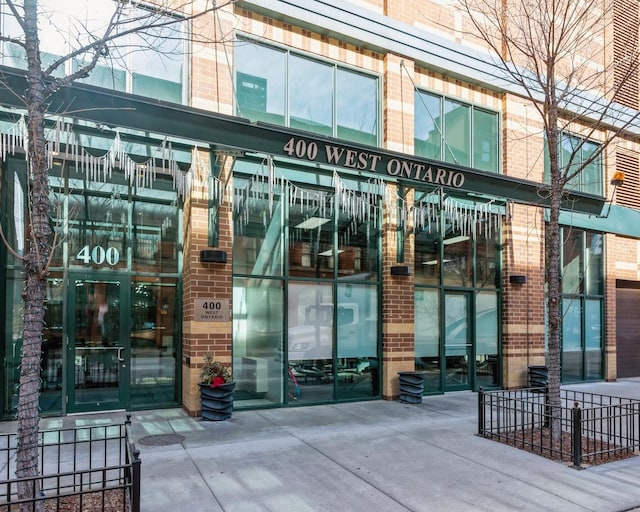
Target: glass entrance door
point(457, 341)
point(98, 349)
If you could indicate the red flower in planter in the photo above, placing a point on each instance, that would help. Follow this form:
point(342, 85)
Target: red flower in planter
point(214, 373)
point(217, 381)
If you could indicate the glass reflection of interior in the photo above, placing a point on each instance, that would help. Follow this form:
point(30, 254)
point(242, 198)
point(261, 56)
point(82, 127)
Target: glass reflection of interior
point(153, 337)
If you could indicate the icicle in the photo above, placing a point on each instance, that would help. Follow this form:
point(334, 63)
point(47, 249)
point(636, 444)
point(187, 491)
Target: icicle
point(270, 169)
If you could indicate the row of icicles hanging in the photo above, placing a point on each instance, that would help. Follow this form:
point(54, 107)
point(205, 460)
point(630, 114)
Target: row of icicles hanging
point(61, 140)
point(468, 219)
point(360, 206)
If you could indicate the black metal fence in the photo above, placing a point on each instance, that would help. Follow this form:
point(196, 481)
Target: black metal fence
point(593, 428)
point(85, 468)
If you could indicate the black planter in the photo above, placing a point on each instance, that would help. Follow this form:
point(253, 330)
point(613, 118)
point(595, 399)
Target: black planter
point(411, 387)
point(217, 403)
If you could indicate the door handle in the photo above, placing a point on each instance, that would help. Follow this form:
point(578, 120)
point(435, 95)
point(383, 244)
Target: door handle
point(120, 358)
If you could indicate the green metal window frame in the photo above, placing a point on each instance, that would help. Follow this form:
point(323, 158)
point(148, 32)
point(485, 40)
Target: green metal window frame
point(318, 180)
point(253, 94)
point(579, 302)
point(464, 137)
point(473, 291)
point(589, 180)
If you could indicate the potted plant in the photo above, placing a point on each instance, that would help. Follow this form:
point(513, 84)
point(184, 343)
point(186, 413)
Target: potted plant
point(216, 390)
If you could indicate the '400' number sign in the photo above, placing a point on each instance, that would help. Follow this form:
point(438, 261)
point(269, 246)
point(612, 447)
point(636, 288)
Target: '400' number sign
point(211, 310)
point(99, 255)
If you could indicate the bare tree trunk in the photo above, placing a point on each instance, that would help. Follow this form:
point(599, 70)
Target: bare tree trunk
point(552, 249)
point(39, 247)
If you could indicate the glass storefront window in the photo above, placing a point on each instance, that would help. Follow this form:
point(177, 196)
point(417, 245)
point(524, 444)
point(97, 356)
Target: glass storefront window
point(456, 265)
point(310, 340)
point(571, 341)
point(486, 331)
point(593, 339)
point(97, 229)
point(258, 327)
point(357, 253)
point(594, 267)
point(324, 295)
point(457, 259)
point(427, 337)
point(154, 341)
point(572, 270)
point(311, 235)
point(257, 241)
point(357, 371)
point(582, 302)
point(121, 330)
point(487, 261)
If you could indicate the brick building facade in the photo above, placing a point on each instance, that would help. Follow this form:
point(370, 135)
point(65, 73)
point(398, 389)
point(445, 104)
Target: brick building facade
point(376, 196)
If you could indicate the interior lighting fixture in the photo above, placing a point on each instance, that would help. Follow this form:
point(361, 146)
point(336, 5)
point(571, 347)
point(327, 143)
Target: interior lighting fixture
point(435, 262)
point(455, 240)
point(312, 223)
point(329, 252)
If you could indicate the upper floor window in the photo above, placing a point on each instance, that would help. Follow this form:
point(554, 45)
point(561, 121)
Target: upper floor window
point(452, 131)
point(281, 87)
point(149, 61)
point(578, 153)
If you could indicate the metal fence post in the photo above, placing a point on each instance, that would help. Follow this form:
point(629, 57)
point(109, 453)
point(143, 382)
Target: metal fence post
point(576, 430)
point(135, 481)
point(480, 411)
point(547, 408)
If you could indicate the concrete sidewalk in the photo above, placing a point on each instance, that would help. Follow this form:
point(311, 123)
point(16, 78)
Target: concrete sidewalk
point(367, 456)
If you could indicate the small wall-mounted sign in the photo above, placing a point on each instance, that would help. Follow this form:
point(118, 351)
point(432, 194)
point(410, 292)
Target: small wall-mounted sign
point(211, 310)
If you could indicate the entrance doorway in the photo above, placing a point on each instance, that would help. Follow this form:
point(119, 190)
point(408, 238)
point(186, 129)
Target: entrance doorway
point(98, 351)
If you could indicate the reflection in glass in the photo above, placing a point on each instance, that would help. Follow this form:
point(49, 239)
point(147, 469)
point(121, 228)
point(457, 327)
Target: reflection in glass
point(356, 320)
point(155, 236)
point(594, 271)
point(572, 261)
point(311, 92)
point(310, 340)
point(457, 129)
point(457, 343)
point(571, 341)
point(486, 330)
point(427, 337)
point(593, 339)
point(97, 347)
point(428, 125)
point(487, 261)
point(258, 327)
point(52, 343)
point(153, 342)
point(357, 248)
point(427, 256)
point(257, 241)
point(357, 107)
point(311, 235)
point(260, 82)
point(457, 262)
